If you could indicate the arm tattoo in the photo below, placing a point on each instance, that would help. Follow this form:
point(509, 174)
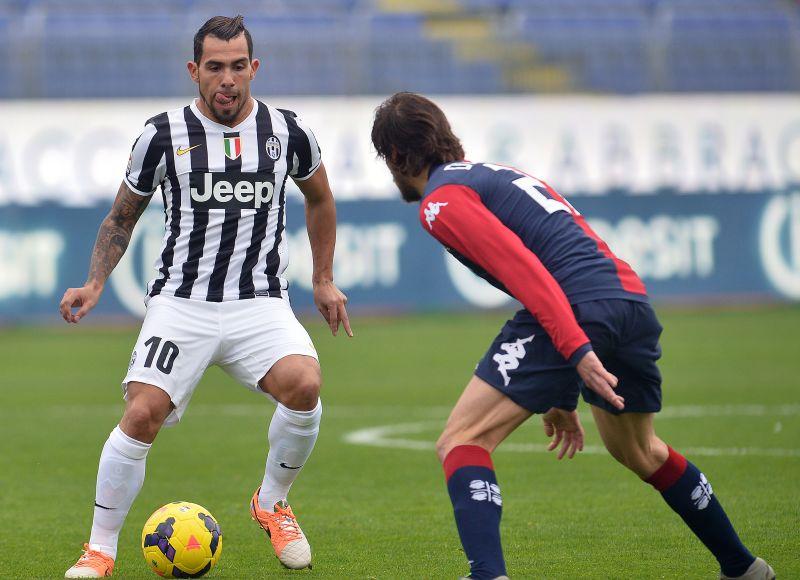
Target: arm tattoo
point(115, 233)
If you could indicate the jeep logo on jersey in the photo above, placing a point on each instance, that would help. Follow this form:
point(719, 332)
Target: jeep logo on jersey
point(231, 190)
point(273, 146)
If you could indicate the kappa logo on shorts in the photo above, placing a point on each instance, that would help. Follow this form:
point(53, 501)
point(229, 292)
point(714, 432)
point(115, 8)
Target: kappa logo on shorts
point(515, 351)
point(701, 495)
point(480, 490)
point(133, 360)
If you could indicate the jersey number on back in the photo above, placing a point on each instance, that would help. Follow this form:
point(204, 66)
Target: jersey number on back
point(526, 183)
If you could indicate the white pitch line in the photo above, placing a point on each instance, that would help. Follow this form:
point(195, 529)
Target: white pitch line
point(390, 437)
point(695, 411)
point(261, 408)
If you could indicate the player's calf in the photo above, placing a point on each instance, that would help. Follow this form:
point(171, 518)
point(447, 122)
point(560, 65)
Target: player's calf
point(478, 507)
point(631, 439)
point(689, 493)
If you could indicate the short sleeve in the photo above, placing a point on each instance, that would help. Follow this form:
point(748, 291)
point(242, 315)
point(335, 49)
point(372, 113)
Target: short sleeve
point(306, 154)
point(147, 165)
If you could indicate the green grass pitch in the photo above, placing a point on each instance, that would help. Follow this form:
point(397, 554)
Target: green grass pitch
point(731, 382)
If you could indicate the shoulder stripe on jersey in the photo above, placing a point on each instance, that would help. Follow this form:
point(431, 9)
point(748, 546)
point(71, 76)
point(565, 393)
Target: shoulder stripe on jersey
point(266, 164)
point(298, 143)
point(161, 123)
point(155, 151)
point(273, 257)
point(197, 238)
point(227, 241)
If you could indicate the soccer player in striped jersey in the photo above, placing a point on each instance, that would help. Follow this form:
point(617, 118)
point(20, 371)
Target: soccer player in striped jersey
point(586, 316)
point(219, 296)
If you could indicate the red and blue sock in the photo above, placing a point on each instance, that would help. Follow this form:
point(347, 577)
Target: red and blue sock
point(687, 491)
point(477, 506)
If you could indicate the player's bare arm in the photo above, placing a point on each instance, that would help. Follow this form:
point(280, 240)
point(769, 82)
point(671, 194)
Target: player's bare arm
point(321, 225)
point(112, 241)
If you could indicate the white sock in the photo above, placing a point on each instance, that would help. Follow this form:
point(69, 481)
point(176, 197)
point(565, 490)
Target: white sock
point(292, 435)
point(119, 479)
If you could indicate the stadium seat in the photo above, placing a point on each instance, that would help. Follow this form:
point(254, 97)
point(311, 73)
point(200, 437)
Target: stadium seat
point(94, 48)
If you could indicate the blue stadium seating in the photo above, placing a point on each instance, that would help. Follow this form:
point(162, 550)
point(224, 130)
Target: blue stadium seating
point(121, 48)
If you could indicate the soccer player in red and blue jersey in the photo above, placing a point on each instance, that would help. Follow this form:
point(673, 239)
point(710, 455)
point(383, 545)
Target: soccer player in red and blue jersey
point(587, 326)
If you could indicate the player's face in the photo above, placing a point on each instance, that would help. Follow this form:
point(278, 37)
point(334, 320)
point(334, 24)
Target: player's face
point(404, 184)
point(223, 75)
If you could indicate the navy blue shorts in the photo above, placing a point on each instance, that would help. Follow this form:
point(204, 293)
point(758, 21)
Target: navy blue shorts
point(523, 364)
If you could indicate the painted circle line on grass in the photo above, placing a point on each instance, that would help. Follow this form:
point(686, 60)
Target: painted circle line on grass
point(395, 436)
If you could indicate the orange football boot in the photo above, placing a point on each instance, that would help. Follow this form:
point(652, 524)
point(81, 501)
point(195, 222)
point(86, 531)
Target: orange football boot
point(92, 564)
point(288, 540)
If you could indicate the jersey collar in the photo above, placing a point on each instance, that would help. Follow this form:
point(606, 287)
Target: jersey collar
point(432, 184)
point(224, 128)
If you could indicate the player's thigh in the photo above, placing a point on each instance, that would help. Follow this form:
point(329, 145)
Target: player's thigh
point(631, 439)
point(482, 416)
point(174, 347)
point(262, 335)
point(524, 365)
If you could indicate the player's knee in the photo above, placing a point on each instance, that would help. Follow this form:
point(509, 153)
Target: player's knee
point(629, 457)
point(443, 446)
point(449, 440)
point(643, 458)
point(142, 422)
point(302, 393)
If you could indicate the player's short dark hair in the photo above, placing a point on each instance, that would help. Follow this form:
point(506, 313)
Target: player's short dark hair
point(412, 133)
point(224, 28)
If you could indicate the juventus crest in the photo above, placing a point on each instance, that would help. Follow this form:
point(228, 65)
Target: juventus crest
point(273, 146)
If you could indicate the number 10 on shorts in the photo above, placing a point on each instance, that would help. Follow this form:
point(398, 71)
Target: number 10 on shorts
point(167, 353)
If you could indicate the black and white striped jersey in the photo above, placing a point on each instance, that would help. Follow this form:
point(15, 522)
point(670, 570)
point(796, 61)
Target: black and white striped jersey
point(224, 199)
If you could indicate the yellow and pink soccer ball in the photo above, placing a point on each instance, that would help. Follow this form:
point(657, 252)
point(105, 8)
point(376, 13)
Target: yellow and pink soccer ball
point(181, 540)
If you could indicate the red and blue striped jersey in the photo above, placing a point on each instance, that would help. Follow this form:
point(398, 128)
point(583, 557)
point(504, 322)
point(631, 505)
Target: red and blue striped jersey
point(520, 235)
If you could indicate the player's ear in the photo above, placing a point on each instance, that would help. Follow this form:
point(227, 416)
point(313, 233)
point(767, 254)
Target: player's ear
point(254, 64)
point(194, 71)
point(394, 157)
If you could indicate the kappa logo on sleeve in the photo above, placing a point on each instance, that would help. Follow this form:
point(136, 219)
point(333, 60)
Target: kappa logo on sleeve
point(433, 209)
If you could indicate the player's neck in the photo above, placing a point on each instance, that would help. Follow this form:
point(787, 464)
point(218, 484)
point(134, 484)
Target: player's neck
point(241, 116)
point(420, 182)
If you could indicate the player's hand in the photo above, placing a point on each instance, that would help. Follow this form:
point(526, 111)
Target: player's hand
point(564, 427)
point(598, 379)
point(330, 302)
point(84, 299)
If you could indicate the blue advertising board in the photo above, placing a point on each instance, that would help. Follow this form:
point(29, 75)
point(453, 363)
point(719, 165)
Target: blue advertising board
point(688, 248)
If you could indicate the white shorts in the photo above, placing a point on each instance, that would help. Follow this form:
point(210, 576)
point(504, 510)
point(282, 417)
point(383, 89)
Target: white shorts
point(181, 338)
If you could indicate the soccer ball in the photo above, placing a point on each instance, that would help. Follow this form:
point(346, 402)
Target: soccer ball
point(181, 540)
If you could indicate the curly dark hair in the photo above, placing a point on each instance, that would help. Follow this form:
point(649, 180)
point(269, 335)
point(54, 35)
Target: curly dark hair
point(411, 133)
